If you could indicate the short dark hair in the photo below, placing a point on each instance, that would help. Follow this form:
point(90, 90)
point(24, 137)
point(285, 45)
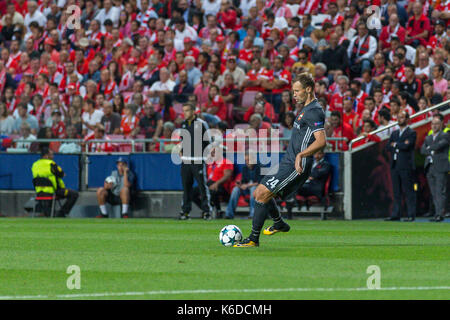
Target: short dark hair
point(190, 105)
point(371, 122)
point(440, 116)
point(306, 80)
point(336, 114)
point(384, 113)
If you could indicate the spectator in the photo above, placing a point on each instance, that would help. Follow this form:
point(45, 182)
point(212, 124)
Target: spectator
point(71, 147)
point(422, 69)
point(368, 126)
point(215, 109)
point(439, 83)
point(130, 121)
point(418, 28)
point(430, 94)
point(287, 125)
point(262, 107)
point(183, 89)
point(394, 28)
point(340, 130)
point(25, 117)
point(202, 89)
point(229, 92)
point(368, 83)
point(91, 117)
point(117, 189)
point(251, 176)
point(168, 133)
point(303, 63)
point(151, 125)
point(6, 121)
point(361, 50)
point(401, 146)
point(98, 134)
point(110, 120)
point(277, 81)
point(194, 74)
point(384, 118)
point(412, 85)
point(237, 73)
point(162, 87)
point(58, 127)
point(26, 136)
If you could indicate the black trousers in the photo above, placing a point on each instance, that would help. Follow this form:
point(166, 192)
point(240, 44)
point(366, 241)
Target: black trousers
point(189, 172)
point(215, 195)
point(71, 197)
point(403, 183)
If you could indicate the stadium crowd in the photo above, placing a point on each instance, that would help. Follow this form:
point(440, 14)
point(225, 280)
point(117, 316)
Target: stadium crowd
point(123, 69)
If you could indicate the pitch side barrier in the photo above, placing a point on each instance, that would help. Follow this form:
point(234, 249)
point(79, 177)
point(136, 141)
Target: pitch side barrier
point(366, 176)
point(155, 171)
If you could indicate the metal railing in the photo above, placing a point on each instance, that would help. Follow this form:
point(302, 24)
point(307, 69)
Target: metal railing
point(396, 123)
point(134, 142)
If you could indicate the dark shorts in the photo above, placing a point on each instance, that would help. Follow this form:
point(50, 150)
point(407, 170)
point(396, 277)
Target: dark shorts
point(112, 199)
point(286, 180)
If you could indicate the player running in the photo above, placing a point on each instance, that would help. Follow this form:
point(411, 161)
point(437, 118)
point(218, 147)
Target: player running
point(308, 137)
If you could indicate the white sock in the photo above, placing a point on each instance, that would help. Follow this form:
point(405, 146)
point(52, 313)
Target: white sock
point(124, 208)
point(103, 210)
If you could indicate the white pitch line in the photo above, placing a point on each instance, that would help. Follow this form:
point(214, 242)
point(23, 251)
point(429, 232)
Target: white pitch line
point(206, 291)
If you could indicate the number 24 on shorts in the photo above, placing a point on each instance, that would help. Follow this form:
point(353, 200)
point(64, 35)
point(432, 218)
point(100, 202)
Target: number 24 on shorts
point(272, 182)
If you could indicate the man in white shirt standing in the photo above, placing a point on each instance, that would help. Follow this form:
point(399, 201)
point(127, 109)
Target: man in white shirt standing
point(34, 15)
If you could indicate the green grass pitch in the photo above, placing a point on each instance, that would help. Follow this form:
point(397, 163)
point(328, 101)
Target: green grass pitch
point(169, 259)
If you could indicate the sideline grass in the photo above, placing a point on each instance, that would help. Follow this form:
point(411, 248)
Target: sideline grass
point(147, 255)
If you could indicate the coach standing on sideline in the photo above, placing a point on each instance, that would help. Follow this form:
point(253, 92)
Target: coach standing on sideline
point(401, 146)
point(435, 148)
point(193, 162)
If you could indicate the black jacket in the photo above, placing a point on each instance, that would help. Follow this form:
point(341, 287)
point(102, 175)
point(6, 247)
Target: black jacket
point(194, 134)
point(403, 151)
point(320, 173)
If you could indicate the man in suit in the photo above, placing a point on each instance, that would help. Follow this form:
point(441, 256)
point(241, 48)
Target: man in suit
point(435, 148)
point(401, 146)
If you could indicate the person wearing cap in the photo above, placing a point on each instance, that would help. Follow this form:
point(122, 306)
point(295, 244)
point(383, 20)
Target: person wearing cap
point(117, 189)
point(190, 49)
point(439, 38)
point(46, 167)
point(232, 68)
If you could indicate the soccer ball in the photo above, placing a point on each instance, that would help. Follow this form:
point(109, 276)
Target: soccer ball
point(230, 235)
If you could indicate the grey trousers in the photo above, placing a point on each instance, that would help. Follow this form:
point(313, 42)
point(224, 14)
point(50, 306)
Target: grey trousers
point(437, 181)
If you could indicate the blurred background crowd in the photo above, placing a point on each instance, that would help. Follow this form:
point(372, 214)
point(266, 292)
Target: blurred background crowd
point(118, 69)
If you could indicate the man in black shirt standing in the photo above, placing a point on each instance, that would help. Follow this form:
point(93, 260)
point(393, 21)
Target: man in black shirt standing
point(308, 137)
point(195, 140)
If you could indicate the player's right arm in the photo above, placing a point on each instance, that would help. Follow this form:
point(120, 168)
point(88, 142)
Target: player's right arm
point(319, 143)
